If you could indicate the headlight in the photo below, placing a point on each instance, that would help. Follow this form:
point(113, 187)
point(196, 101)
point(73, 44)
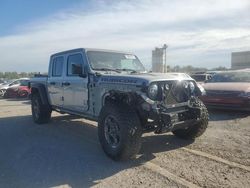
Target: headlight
point(166, 87)
point(191, 86)
point(153, 91)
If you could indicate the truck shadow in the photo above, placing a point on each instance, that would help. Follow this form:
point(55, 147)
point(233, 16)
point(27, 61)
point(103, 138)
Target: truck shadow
point(221, 115)
point(23, 100)
point(65, 151)
point(15, 99)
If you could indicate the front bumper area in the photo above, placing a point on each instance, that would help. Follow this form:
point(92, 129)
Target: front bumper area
point(169, 119)
point(162, 117)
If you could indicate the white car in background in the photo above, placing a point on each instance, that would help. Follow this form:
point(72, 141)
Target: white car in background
point(12, 83)
point(201, 78)
point(2, 82)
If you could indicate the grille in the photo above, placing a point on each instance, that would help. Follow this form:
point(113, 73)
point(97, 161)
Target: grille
point(218, 93)
point(177, 93)
point(170, 99)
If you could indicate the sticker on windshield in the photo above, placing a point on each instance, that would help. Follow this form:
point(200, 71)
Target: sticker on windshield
point(130, 56)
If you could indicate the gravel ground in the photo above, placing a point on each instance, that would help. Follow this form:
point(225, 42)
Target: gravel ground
point(66, 153)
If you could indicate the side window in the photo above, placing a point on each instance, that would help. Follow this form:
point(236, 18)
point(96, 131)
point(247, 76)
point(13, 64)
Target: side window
point(57, 67)
point(75, 65)
point(24, 82)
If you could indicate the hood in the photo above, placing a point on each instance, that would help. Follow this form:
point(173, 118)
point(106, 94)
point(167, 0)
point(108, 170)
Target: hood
point(142, 78)
point(4, 86)
point(229, 86)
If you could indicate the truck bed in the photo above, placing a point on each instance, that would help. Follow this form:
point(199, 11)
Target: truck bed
point(39, 79)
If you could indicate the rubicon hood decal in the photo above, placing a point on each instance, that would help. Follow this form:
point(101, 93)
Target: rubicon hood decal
point(141, 79)
point(119, 80)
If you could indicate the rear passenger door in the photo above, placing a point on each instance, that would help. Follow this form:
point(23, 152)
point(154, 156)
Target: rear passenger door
point(75, 87)
point(55, 80)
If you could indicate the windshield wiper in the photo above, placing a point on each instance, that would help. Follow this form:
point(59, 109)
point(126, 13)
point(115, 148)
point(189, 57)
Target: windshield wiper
point(131, 70)
point(108, 69)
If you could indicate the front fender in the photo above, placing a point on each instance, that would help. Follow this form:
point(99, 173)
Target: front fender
point(40, 88)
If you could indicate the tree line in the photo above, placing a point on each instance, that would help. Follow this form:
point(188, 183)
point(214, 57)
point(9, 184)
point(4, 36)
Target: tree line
point(191, 69)
point(177, 68)
point(16, 75)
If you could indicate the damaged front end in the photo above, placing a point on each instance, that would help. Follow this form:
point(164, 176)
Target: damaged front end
point(170, 105)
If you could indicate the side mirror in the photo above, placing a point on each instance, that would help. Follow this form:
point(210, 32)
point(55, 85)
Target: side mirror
point(83, 75)
point(78, 69)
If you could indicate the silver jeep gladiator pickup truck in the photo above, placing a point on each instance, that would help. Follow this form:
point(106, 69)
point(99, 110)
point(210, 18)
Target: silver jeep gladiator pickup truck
point(114, 89)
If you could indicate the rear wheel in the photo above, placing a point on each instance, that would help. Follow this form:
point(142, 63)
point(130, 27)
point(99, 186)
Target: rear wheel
point(41, 113)
point(198, 128)
point(119, 131)
point(23, 94)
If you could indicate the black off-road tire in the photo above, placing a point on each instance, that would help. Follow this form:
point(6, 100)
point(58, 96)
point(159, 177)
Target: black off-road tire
point(197, 129)
point(130, 131)
point(41, 113)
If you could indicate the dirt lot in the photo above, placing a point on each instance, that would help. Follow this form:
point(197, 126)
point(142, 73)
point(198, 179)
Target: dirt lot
point(66, 153)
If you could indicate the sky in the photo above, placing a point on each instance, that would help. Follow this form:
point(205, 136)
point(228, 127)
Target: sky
point(198, 33)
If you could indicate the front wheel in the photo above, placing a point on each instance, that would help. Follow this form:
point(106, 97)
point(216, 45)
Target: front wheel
point(41, 113)
point(6, 95)
point(198, 128)
point(2, 92)
point(119, 131)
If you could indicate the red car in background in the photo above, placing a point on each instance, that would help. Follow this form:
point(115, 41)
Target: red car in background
point(20, 91)
point(229, 90)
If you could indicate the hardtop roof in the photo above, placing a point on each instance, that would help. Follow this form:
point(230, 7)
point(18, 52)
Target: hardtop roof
point(89, 49)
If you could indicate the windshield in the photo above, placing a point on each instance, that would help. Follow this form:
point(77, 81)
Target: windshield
point(231, 77)
point(114, 61)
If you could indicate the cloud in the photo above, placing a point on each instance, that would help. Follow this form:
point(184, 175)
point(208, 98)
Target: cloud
point(196, 32)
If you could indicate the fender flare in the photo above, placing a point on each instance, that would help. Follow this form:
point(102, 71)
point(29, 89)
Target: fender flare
point(41, 90)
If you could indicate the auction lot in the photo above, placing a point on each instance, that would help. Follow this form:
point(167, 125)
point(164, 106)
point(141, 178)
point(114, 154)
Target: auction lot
point(66, 153)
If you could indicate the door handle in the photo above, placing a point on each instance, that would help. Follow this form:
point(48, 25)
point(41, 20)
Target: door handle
point(65, 84)
point(52, 83)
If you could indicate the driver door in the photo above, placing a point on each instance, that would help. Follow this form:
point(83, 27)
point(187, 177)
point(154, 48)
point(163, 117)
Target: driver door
point(75, 86)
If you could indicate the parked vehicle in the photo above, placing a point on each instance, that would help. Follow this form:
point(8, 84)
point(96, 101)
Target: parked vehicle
point(201, 78)
point(18, 91)
point(11, 83)
point(114, 89)
point(2, 82)
point(229, 89)
point(4, 87)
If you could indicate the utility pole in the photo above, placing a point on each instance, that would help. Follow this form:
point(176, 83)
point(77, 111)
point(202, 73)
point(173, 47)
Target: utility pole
point(165, 46)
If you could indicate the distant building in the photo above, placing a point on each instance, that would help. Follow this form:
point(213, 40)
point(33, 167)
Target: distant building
point(158, 59)
point(240, 60)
